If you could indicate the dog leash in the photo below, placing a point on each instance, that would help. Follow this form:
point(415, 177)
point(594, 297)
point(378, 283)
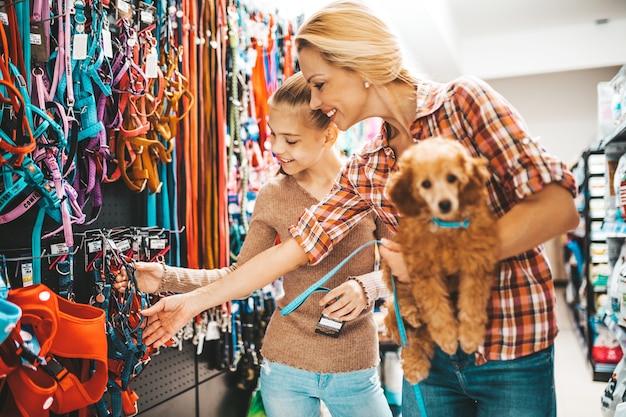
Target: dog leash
point(416, 388)
point(296, 302)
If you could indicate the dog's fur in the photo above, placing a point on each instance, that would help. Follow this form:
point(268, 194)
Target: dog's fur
point(451, 269)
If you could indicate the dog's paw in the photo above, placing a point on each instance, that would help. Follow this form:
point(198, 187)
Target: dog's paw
point(470, 340)
point(450, 347)
point(447, 339)
point(469, 346)
point(391, 327)
point(416, 371)
point(413, 320)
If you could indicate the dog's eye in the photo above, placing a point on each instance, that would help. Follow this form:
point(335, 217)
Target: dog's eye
point(426, 184)
point(451, 178)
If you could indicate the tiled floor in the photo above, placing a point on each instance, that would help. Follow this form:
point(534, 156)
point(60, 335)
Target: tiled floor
point(577, 394)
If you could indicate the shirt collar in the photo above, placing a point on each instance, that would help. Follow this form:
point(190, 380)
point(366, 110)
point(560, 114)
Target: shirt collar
point(430, 97)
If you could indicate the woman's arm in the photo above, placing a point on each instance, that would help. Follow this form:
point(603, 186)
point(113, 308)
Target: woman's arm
point(537, 219)
point(532, 222)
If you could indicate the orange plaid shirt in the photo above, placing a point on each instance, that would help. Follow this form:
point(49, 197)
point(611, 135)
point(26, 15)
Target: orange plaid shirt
point(522, 314)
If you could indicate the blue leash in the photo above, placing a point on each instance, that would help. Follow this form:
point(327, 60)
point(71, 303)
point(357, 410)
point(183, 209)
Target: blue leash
point(403, 339)
point(295, 303)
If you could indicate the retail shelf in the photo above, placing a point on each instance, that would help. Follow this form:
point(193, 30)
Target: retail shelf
point(610, 320)
point(614, 229)
point(618, 133)
point(602, 371)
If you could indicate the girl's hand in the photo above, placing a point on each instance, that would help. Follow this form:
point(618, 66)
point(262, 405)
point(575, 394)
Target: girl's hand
point(147, 274)
point(166, 318)
point(345, 302)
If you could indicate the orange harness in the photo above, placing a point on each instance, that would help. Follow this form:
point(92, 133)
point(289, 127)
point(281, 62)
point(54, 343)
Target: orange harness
point(70, 370)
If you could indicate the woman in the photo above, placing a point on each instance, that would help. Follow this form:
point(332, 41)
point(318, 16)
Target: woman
point(354, 65)
point(301, 367)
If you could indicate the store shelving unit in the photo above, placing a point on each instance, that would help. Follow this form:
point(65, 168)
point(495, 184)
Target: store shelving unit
point(592, 243)
point(604, 237)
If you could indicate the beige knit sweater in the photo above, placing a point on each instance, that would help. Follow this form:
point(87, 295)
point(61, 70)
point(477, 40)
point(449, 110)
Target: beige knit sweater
point(291, 339)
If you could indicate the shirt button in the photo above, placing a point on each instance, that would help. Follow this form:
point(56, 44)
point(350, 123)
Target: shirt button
point(526, 141)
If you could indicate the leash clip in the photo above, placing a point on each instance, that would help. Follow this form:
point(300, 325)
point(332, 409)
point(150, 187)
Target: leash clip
point(54, 368)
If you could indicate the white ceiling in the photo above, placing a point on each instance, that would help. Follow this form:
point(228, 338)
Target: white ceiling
point(497, 38)
point(507, 38)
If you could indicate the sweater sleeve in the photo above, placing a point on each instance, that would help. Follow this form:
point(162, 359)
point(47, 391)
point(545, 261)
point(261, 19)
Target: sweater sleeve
point(177, 279)
point(373, 286)
point(260, 236)
point(372, 282)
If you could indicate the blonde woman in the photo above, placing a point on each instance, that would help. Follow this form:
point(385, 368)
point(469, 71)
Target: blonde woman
point(354, 66)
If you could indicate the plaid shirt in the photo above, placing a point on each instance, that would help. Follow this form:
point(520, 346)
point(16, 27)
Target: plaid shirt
point(522, 314)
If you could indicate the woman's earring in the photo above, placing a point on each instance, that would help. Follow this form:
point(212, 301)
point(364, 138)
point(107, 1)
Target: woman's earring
point(367, 84)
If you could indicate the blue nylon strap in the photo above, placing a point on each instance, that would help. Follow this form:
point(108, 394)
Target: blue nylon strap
point(404, 341)
point(401, 329)
point(22, 11)
point(36, 245)
point(295, 303)
point(151, 210)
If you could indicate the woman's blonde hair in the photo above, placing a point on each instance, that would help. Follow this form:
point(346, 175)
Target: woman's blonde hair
point(296, 92)
point(349, 35)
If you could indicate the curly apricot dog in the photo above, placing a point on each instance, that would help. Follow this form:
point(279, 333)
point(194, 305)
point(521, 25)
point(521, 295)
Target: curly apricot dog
point(450, 247)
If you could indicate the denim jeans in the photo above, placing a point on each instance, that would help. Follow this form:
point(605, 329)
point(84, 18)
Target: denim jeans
point(523, 387)
point(289, 392)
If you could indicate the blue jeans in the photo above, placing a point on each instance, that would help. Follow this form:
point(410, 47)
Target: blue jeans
point(289, 392)
point(523, 387)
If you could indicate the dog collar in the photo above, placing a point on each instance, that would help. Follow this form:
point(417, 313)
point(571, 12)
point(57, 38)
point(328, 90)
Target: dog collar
point(451, 225)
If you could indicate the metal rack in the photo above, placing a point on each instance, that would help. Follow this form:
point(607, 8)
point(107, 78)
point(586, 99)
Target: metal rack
point(176, 382)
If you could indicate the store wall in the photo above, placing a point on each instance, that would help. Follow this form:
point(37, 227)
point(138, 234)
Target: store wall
point(560, 107)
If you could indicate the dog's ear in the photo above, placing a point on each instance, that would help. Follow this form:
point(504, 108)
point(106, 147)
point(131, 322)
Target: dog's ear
point(478, 174)
point(401, 193)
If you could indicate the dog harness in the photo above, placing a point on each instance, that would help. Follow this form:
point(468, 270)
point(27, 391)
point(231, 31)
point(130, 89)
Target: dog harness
point(62, 372)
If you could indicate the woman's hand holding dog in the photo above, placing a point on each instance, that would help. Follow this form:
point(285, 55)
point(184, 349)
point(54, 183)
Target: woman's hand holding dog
point(345, 302)
point(391, 252)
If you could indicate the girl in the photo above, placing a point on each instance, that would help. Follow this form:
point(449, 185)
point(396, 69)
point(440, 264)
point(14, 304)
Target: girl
point(301, 367)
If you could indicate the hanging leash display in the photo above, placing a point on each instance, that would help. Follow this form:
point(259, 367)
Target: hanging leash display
point(86, 104)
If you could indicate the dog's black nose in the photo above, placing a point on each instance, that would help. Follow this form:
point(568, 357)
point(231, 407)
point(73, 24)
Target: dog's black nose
point(445, 206)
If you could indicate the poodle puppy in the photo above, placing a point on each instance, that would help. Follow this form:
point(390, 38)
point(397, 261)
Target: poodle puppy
point(450, 246)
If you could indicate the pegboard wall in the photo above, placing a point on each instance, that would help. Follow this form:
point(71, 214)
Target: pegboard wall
point(175, 379)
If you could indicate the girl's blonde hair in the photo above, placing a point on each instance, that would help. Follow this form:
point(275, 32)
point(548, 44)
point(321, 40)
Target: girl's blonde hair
point(349, 35)
point(296, 92)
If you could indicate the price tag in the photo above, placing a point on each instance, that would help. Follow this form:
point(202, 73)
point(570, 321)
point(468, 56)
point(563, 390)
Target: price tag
point(27, 273)
point(59, 248)
point(79, 46)
point(152, 64)
point(107, 45)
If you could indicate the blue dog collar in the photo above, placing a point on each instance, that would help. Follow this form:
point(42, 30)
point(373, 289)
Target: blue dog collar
point(451, 225)
point(9, 315)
